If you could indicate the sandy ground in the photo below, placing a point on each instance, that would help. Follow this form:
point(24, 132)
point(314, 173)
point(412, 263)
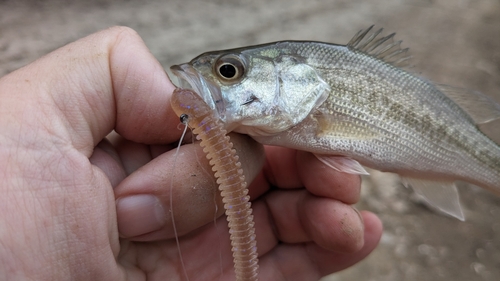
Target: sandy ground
point(456, 42)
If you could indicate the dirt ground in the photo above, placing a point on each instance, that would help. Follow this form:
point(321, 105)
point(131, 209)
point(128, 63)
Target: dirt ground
point(456, 42)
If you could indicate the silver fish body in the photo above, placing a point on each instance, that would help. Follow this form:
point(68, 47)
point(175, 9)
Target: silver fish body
point(350, 104)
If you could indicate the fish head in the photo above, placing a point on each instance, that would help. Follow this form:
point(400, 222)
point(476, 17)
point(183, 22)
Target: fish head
point(258, 91)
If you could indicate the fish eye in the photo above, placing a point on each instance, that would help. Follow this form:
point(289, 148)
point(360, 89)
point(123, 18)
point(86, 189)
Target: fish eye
point(229, 68)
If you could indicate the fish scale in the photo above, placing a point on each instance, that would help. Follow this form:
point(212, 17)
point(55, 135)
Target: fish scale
point(352, 104)
point(390, 114)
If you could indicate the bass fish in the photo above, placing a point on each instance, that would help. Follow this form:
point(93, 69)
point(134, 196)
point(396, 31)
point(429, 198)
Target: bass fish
point(354, 105)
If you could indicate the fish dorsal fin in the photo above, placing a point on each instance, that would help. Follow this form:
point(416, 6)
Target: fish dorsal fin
point(481, 108)
point(342, 164)
point(442, 195)
point(383, 48)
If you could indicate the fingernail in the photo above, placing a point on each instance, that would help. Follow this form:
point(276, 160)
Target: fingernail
point(139, 214)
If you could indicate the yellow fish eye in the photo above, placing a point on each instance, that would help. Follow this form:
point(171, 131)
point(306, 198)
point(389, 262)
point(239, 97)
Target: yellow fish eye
point(229, 68)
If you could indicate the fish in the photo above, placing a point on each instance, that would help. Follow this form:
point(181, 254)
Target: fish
point(354, 106)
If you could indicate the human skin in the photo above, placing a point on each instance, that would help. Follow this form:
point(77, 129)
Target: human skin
point(80, 204)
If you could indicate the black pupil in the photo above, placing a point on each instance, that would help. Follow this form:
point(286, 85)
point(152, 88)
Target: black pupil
point(227, 70)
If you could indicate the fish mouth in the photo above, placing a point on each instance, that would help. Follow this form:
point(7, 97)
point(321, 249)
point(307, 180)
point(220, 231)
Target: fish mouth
point(189, 78)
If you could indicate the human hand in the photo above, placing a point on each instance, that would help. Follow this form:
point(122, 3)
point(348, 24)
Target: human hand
point(69, 194)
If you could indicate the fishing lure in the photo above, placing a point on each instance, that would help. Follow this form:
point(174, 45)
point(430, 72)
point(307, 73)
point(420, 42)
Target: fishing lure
point(224, 161)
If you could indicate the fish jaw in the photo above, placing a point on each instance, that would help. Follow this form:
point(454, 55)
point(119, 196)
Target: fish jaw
point(189, 77)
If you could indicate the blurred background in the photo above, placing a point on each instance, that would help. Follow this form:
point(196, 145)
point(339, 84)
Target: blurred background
point(455, 42)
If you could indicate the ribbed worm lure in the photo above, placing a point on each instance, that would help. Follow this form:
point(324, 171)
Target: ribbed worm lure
point(224, 161)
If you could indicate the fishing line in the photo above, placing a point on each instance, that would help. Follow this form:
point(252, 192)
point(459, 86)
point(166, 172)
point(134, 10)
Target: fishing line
point(218, 234)
point(184, 120)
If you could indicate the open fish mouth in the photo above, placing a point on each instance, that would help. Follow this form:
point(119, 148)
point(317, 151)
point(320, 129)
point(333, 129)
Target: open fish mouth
point(191, 79)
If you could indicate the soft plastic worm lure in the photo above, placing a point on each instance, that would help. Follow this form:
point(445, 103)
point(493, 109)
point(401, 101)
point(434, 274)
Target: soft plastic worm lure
point(224, 161)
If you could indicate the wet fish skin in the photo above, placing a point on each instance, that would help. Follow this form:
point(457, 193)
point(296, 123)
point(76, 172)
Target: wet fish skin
point(354, 101)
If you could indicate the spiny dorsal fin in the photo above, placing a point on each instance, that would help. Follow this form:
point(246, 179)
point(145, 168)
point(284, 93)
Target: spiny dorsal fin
point(383, 48)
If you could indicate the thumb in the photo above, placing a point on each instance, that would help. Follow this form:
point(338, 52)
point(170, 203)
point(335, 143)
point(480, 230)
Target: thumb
point(108, 80)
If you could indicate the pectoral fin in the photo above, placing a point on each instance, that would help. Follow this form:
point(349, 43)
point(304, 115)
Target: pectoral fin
point(442, 195)
point(343, 127)
point(342, 164)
